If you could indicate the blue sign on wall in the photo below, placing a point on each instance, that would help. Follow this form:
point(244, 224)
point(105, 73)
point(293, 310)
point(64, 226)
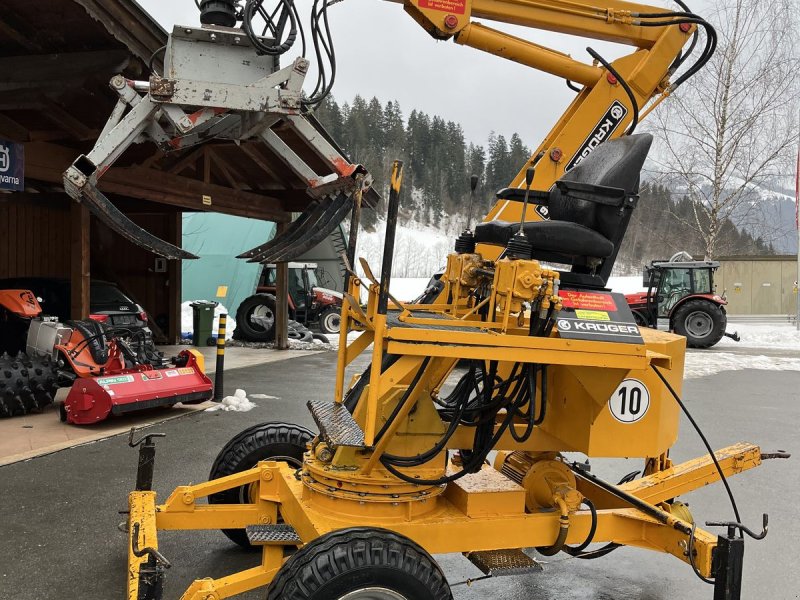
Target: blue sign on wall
point(12, 166)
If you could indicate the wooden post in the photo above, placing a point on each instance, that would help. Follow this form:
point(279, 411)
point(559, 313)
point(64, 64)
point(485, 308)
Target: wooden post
point(282, 299)
point(79, 261)
point(175, 281)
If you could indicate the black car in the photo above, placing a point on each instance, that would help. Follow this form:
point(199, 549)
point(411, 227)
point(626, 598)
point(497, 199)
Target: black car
point(107, 303)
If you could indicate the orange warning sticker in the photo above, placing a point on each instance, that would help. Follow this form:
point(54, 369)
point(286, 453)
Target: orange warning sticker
point(456, 7)
point(588, 300)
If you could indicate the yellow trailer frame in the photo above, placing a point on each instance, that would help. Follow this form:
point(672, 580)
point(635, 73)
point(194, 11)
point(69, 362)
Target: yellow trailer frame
point(341, 486)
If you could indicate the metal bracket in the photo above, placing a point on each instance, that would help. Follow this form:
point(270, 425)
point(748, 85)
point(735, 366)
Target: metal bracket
point(147, 459)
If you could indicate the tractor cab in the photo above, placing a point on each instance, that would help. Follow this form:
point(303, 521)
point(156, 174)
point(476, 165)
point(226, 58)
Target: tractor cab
point(669, 283)
point(302, 281)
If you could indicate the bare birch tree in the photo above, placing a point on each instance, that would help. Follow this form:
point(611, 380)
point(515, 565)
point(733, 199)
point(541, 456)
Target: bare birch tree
point(732, 128)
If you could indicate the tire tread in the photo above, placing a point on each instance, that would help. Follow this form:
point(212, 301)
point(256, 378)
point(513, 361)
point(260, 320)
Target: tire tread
point(342, 551)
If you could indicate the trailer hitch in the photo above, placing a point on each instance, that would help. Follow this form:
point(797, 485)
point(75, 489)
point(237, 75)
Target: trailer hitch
point(153, 572)
point(729, 557)
point(147, 459)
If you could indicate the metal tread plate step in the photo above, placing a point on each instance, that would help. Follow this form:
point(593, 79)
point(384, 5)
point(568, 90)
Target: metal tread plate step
point(268, 535)
point(498, 563)
point(336, 425)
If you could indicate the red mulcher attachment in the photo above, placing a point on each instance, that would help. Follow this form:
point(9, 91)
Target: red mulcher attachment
point(93, 399)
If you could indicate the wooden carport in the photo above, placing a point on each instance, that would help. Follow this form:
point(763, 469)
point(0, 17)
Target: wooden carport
point(56, 58)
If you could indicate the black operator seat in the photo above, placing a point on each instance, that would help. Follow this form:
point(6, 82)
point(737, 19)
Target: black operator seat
point(588, 209)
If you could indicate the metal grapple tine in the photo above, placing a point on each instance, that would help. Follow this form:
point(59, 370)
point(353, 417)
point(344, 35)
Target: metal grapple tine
point(322, 218)
point(307, 219)
point(110, 215)
point(294, 226)
point(317, 233)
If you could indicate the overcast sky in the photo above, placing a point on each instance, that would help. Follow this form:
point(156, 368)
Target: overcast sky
point(382, 52)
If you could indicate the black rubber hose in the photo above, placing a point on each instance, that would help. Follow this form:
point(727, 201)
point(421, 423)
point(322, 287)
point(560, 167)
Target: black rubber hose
point(558, 546)
point(625, 86)
point(575, 551)
point(705, 442)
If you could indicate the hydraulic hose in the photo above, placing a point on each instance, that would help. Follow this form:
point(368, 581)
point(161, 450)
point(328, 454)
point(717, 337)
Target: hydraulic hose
point(563, 530)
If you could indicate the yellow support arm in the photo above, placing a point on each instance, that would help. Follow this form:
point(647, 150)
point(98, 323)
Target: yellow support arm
point(602, 110)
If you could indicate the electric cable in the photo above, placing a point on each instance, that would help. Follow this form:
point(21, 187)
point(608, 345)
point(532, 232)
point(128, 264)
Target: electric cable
point(705, 442)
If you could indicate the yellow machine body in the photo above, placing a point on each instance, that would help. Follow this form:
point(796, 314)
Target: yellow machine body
point(532, 495)
point(515, 504)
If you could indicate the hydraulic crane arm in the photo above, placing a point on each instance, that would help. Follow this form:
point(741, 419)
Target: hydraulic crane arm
point(610, 101)
point(197, 100)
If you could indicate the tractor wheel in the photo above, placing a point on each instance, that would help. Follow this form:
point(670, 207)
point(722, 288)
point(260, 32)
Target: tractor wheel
point(361, 563)
point(27, 384)
point(330, 321)
point(255, 319)
point(267, 441)
point(702, 322)
point(640, 319)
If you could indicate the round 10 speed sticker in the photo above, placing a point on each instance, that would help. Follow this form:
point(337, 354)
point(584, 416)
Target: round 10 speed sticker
point(630, 401)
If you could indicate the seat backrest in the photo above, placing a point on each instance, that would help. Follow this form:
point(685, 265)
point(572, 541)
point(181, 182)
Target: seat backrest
point(616, 163)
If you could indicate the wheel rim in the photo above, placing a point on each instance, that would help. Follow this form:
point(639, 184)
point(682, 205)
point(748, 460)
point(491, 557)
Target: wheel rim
point(261, 315)
point(699, 324)
point(333, 321)
point(373, 593)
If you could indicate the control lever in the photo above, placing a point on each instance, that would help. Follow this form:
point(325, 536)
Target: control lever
point(531, 171)
point(519, 246)
point(147, 459)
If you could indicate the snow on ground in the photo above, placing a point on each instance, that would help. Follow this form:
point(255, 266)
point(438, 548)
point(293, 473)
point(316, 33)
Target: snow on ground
point(407, 289)
point(775, 336)
point(236, 403)
point(187, 320)
point(701, 363)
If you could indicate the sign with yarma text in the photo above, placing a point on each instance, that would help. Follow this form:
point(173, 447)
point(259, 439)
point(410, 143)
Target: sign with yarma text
point(12, 166)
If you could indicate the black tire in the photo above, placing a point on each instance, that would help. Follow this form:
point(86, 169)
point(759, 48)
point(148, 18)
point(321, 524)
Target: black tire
point(257, 305)
point(259, 442)
point(321, 337)
point(27, 384)
point(330, 320)
point(299, 332)
point(701, 321)
point(361, 558)
point(640, 318)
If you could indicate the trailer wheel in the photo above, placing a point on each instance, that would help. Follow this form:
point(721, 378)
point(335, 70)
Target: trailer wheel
point(276, 441)
point(255, 318)
point(360, 563)
point(701, 322)
point(330, 321)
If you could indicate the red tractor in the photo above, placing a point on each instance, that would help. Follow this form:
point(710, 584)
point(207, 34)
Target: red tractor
point(681, 296)
point(309, 306)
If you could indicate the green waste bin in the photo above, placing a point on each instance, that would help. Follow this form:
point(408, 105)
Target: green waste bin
point(203, 322)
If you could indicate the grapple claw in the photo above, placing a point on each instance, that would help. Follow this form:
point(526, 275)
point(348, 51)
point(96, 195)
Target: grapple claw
point(111, 216)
